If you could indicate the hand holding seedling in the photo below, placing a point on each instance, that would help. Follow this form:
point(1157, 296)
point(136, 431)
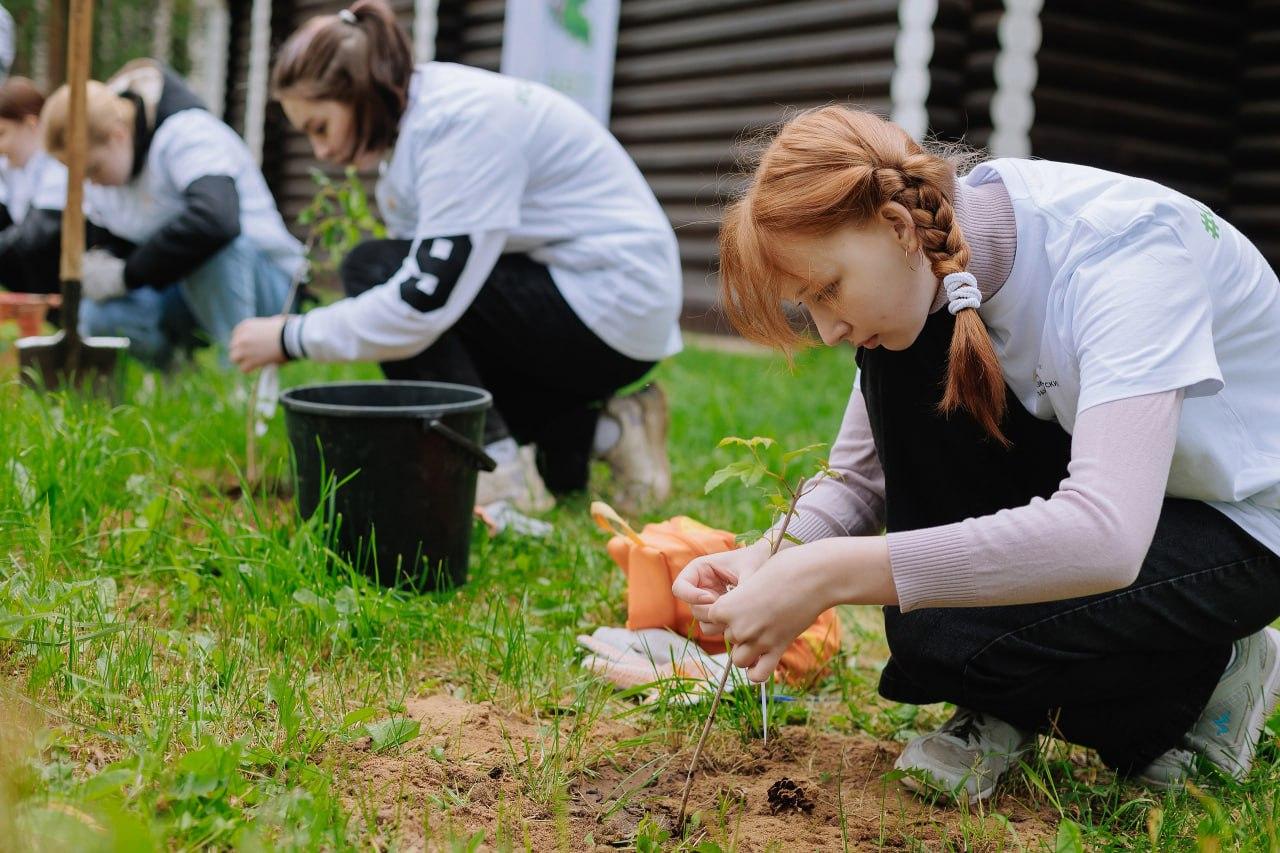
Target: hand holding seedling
point(705, 579)
point(764, 613)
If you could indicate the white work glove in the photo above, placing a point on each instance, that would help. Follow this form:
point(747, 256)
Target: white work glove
point(102, 276)
point(640, 658)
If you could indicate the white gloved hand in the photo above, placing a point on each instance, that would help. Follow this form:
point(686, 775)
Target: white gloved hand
point(648, 656)
point(102, 276)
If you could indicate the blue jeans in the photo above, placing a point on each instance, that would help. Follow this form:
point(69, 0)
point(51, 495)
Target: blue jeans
point(237, 283)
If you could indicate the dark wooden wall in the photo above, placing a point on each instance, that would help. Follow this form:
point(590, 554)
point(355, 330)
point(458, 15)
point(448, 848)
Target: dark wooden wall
point(696, 80)
point(1181, 91)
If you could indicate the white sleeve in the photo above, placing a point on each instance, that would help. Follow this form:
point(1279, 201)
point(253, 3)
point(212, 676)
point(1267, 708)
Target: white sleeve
point(434, 286)
point(51, 191)
point(1141, 321)
point(194, 145)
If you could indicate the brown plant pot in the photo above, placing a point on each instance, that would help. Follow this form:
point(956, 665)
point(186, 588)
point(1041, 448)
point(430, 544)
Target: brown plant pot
point(28, 310)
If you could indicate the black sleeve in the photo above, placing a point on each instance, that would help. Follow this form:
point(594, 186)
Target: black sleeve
point(5, 219)
point(209, 221)
point(29, 252)
point(97, 237)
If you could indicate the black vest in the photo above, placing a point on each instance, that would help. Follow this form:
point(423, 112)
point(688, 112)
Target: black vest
point(939, 469)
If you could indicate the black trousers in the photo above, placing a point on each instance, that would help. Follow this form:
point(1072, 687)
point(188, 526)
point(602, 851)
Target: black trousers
point(549, 374)
point(1125, 672)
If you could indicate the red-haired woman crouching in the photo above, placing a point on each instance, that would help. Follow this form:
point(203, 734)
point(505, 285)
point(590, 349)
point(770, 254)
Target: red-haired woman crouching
point(1067, 421)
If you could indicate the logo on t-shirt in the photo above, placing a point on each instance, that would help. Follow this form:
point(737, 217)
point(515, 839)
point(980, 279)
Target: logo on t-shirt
point(1043, 385)
point(1209, 221)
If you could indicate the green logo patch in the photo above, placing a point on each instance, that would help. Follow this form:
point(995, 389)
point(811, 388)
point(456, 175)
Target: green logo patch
point(1210, 223)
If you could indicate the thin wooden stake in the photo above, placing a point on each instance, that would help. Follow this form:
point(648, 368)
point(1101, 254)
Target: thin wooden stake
point(724, 677)
point(251, 416)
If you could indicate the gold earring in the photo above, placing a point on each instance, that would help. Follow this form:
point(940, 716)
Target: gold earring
point(907, 259)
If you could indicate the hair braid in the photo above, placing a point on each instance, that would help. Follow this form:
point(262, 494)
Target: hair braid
point(975, 380)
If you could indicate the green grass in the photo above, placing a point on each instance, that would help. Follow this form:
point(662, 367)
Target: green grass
point(179, 664)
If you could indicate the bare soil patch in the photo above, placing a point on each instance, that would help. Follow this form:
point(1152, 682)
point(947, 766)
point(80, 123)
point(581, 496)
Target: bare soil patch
point(477, 768)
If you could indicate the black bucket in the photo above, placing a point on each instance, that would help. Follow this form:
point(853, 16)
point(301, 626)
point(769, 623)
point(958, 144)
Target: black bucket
point(405, 455)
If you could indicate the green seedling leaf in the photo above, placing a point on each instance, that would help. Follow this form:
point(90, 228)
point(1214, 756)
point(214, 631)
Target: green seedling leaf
point(322, 608)
point(800, 451)
point(109, 781)
point(281, 691)
point(740, 469)
point(393, 731)
point(1069, 839)
point(358, 717)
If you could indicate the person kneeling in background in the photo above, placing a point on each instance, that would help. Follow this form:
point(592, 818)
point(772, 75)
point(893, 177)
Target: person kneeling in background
point(165, 174)
point(33, 191)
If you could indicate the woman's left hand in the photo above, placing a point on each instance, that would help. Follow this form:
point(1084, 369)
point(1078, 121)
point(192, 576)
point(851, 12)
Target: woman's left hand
point(256, 342)
point(786, 595)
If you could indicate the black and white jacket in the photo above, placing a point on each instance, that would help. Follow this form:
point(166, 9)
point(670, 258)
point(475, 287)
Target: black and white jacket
point(31, 200)
point(195, 186)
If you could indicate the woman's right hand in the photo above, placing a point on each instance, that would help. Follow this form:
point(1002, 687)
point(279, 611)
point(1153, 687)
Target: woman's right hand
point(256, 342)
point(705, 579)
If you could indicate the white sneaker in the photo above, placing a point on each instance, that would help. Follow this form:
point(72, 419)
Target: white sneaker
point(641, 469)
point(966, 757)
point(1230, 726)
point(1170, 770)
point(517, 482)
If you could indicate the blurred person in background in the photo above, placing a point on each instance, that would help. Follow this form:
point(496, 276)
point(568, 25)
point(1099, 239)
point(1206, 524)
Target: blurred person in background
point(527, 256)
point(209, 247)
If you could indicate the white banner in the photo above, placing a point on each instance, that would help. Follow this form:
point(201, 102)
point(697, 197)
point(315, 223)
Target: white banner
point(566, 44)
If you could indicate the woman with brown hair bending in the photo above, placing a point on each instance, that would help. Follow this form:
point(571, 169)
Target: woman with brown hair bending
point(527, 255)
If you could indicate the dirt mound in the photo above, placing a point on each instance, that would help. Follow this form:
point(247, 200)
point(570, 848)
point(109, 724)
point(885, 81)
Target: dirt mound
point(562, 783)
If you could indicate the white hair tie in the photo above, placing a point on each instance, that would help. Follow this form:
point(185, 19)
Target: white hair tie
point(962, 291)
point(347, 16)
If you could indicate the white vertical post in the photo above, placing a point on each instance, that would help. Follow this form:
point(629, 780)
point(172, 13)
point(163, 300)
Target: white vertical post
point(426, 23)
point(207, 46)
point(1013, 108)
point(162, 35)
point(255, 108)
point(912, 53)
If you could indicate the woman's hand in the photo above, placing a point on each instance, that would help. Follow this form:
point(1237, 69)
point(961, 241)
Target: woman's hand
point(256, 342)
point(776, 603)
point(704, 580)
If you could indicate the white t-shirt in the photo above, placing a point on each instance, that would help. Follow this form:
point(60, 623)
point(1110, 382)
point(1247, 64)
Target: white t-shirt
point(481, 152)
point(187, 146)
point(40, 184)
point(1122, 287)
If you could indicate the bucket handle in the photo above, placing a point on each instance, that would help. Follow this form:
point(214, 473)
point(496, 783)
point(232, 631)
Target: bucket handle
point(482, 460)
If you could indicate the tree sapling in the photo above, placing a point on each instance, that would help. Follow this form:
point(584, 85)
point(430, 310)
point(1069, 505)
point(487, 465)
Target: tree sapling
point(783, 495)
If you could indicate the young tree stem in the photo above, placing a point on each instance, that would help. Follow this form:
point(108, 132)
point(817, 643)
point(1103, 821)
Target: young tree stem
point(796, 494)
